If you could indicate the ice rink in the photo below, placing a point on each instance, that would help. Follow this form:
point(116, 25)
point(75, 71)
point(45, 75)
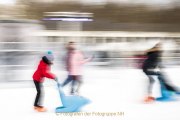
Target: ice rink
point(111, 90)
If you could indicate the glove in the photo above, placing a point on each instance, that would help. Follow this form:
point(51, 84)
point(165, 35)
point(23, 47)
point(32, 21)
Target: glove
point(93, 56)
point(56, 79)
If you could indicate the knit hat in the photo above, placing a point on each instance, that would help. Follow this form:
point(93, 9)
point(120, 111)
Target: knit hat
point(49, 55)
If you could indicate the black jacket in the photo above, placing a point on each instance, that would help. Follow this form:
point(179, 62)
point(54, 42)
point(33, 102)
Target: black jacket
point(153, 60)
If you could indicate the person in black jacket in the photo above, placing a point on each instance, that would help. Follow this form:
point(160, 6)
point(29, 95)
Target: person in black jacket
point(152, 62)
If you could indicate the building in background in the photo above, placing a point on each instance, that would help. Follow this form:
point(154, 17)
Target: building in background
point(115, 31)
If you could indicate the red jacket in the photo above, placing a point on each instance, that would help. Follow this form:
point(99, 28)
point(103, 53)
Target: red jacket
point(43, 71)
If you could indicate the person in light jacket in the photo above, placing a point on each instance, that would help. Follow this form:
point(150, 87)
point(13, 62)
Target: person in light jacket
point(74, 62)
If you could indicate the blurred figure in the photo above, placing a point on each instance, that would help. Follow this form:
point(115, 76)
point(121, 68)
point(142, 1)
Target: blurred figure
point(74, 61)
point(139, 60)
point(149, 68)
point(42, 71)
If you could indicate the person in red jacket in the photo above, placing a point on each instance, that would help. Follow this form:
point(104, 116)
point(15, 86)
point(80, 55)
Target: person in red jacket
point(42, 71)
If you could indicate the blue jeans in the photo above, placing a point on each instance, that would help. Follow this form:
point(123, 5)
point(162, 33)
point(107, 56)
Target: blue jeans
point(74, 79)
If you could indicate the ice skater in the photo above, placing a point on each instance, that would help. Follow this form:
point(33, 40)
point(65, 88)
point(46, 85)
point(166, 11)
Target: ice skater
point(152, 62)
point(74, 61)
point(42, 71)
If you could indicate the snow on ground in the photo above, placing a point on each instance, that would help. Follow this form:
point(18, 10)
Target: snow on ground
point(111, 90)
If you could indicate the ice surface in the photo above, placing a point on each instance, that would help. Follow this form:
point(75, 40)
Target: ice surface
point(109, 89)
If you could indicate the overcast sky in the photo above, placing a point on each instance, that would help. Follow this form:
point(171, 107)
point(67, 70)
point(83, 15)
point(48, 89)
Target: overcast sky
point(7, 1)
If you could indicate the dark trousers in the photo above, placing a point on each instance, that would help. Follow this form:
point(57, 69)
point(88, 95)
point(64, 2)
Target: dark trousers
point(162, 79)
point(75, 80)
point(39, 95)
